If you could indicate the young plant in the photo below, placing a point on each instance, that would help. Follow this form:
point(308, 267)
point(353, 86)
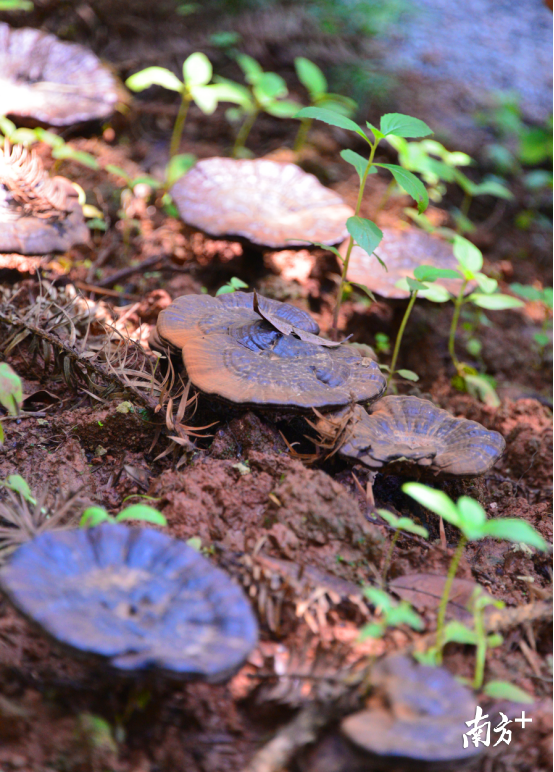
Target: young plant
point(265, 93)
point(195, 87)
point(315, 83)
point(11, 393)
point(16, 5)
point(93, 516)
point(18, 484)
point(470, 518)
point(61, 150)
point(363, 231)
point(545, 297)
point(401, 525)
point(232, 285)
point(393, 614)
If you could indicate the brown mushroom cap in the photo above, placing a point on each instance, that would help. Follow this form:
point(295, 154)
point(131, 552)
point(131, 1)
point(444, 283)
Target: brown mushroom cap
point(38, 214)
point(402, 251)
point(413, 429)
point(273, 358)
point(271, 204)
point(54, 82)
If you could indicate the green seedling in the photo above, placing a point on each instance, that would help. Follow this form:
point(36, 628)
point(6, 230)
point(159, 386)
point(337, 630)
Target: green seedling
point(19, 485)
point(470, 518)
point(93, 516)
point(401, 525)
point(315, 83)
point(393, 614)
point(382, 343)
point(232, 285)
point(11, 393)
point(195, 87)
point(544, 296)
point(503, 690)
point(61, 150)
point(266, 92)
point(16, 5)
point(363, 231)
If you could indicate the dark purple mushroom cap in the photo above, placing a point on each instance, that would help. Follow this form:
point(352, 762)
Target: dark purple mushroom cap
point(54, 82)
point(425, 722)
point(272, 357)
point(413, 429)
point(402, 251)
point(135, 597)
point(38, 214)
point(269, 203)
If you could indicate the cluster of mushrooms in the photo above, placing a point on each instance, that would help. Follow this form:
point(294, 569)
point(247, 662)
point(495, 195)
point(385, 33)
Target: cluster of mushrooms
point(137, 599)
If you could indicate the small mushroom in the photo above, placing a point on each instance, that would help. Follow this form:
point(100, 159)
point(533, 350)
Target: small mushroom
point(401, 428)
point(38, 214)
point(421, 721)
point(54, 82)
point(402, 251)
point(268, 357)
point(271, 204)
point(135, 598)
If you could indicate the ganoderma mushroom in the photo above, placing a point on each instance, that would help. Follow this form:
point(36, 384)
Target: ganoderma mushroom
point(253, 351)
point(402, 250)
point(268, 203)
point(413, 430)
point(38, 214)
point(420, 723)
point(134, 598)
point(54, 82)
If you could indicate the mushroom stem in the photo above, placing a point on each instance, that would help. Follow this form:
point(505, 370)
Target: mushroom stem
point(244, 131)
point(413, 296)
point(454, 326)
point(452, 569)
point(179, 123)
point(351, 241)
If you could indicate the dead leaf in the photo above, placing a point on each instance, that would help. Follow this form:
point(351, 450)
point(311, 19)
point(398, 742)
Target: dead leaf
point(424, 592)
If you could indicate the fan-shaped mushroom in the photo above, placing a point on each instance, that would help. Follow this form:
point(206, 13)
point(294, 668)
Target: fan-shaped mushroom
point(421, 722)
point(271, 204)
point(251, 350)
point(38, 214)
point(402, 251)
point(135, 597)
point(54, 82)
point(401, 428)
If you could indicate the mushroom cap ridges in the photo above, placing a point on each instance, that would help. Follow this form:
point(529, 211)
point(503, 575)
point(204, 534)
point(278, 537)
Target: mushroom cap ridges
point(271, 204)
point(134, 597)
point(401, 427)
point(402, 250)
point(232, 353)
point(55, 82)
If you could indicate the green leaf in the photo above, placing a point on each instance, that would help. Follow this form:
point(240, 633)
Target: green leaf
point(411, 184)
point(365, 233)
point(437, 501)
point(436, 294)
point(154, 76)
point(497, 302)
point(205, 97)
point(379, 598)
point(228, 91)
point(331, 118)
point(141, 512)
point(457, 632)
point(389, 517)
point(478, 386)
point(250, 67)
point(49, 137)
point(372, 630)
point(337, 103)
point(403, 614)
point(177, 166)
point(363, 288)
point(515, 530)
point(467, 255)
point(492, 188)
point(413, 284)
point(486, 284)
point(195, 542)
point(406, 524)
point(197, 70)
point(358, 162)
point(408, 375)
point(93, 516)
point(67, 152)
point(502, 690)
point(404, 126)
point(268, 87)
point(472, 517)
point(19, 485)
point(11, 390)
point(376, 133)
point(119, 172)
point(283, 108)
point(310, 76)
point(430, 273)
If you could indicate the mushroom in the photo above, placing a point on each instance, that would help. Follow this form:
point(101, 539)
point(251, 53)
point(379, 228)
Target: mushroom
point(52, 81)
point(401, 428)
point(271, 204)
point(38, 214)
point(135, 598)
point(420, 721)
point(402, 251)
point(254, 351)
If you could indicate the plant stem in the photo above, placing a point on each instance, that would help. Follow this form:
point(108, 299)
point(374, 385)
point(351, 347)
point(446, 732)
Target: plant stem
point(389, 556)
point(481, 653)
point(351, 241)
point(387, 194)
point(453, 327)
point(413, 296)
point(446, 595)
point(179, 123)
point(305, 126)
point(244, 131)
